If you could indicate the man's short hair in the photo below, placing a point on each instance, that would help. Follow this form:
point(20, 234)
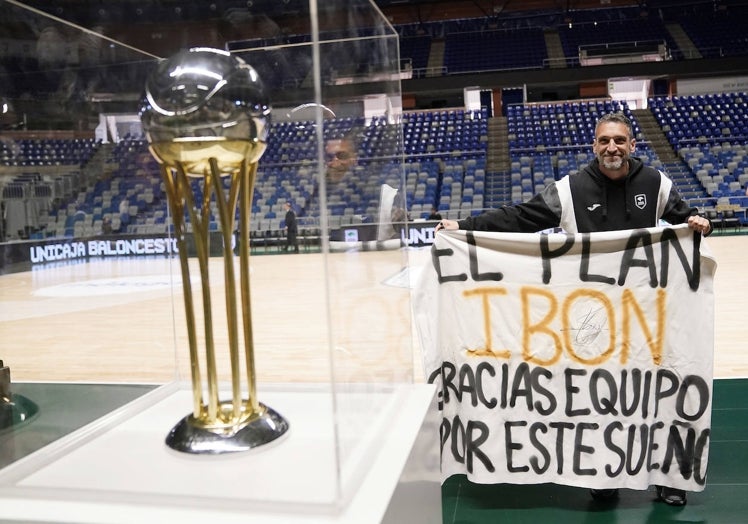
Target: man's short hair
point(618, 118)
point(354, 136)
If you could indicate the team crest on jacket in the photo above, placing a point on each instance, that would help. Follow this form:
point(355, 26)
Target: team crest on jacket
point(640, 201)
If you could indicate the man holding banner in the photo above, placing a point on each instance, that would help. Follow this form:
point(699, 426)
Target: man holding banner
point(615, 192)
point(631, 407)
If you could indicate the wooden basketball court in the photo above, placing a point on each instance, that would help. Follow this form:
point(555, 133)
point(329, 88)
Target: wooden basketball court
point(122, 320)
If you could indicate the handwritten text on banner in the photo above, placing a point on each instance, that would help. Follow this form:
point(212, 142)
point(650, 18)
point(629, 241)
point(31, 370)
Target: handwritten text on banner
point(583, 360)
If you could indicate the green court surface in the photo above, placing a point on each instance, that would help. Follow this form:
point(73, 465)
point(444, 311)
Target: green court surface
point(63, 409)
point(724, 501)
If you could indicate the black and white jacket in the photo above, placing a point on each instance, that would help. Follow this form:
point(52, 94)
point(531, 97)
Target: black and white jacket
point(589, 201)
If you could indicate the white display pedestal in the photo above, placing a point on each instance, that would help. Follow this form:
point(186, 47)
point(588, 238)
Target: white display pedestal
point(120, 471)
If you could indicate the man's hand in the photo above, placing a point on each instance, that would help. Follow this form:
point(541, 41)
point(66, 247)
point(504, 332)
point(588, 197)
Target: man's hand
point(446, 224)
point(699, 224)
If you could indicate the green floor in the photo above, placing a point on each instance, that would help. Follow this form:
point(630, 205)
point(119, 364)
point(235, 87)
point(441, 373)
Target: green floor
point(62, 409)
point(725, 499)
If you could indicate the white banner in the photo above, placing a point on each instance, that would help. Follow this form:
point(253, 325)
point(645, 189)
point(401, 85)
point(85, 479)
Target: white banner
point(583, 360)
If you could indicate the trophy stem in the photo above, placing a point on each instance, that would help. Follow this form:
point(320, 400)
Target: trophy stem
point(227, 223)
point(249, 174)
point(241, 423)
point(200, 224)
point(177, 212)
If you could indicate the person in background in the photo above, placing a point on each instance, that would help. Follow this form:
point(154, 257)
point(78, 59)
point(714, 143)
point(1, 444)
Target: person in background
point(106, 226)
point(292, 229)
point(615, 192)
point(340, 157)
point(435, 215)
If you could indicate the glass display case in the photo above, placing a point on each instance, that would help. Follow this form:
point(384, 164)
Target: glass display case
point(95, 324)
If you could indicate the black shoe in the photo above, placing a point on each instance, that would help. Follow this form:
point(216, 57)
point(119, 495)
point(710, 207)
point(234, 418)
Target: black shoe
point(671, 496)
point(604, 494)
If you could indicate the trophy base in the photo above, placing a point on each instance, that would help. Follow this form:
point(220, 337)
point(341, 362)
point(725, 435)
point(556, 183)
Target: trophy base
point(188, 437)
point(17, 411)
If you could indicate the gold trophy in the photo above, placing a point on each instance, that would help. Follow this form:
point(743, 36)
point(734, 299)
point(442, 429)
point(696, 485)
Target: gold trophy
point(206, 117)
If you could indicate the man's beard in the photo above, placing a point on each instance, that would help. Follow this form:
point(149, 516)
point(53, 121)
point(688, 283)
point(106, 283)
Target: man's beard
point(612, 162)
point(335, 174)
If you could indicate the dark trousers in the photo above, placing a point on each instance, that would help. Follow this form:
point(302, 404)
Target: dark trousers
point(291, 240)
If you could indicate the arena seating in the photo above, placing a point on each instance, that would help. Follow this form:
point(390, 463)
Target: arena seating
point(483, 44)
point(710, 134)
point(445, 151)
point(46, 152)
point(445, 167)
point(702, 118)
point(496, 43)
point(589, 29)
point(558, 125)
point(550, 141)
point(717, 33)
point(416, 49)
point(505, 41)
point(495, 50)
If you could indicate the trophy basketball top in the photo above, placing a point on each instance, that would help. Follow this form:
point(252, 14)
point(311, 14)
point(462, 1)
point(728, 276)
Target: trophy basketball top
point(205, 103)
